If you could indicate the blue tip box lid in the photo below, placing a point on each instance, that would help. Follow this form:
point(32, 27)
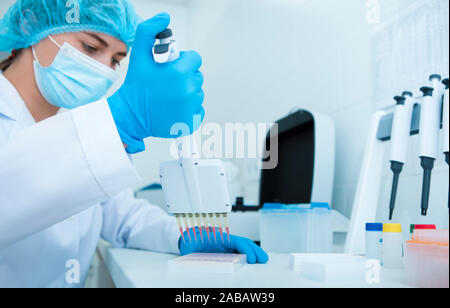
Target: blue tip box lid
point(374, 227)
point(280, 206)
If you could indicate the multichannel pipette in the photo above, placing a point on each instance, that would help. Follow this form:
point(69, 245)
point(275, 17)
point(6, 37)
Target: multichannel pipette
point(430, 117)
point(445, 123)
point(196, 190)
point(401, 128)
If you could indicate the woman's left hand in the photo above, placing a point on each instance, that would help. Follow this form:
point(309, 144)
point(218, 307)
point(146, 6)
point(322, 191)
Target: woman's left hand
point(220, 243)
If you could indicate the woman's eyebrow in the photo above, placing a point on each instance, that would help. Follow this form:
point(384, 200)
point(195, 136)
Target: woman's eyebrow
point(99, 39)
point(105, 44)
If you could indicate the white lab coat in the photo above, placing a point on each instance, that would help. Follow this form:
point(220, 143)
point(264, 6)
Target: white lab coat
point(63, 185)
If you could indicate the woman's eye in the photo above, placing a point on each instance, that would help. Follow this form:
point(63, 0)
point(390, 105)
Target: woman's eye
point(89, 49)
point(115, 62)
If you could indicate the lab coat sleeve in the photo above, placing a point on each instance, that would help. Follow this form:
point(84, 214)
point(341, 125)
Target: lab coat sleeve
point(137, 224)
point(58, 168)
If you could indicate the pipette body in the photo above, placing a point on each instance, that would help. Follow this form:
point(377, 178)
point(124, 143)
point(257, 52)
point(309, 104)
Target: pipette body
point(430, 116)
point(401, 128)
point(445, 123)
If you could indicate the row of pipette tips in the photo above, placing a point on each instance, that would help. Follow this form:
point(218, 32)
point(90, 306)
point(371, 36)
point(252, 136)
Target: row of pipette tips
point(203, 222)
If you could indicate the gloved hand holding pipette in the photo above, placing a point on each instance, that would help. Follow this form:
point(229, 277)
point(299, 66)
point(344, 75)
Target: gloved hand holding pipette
point(217, 243)
point(154, 97)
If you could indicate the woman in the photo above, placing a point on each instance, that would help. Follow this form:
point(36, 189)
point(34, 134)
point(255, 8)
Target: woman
point(64, 177)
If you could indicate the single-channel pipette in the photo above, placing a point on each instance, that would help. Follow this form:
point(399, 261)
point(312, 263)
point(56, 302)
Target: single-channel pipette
point(430, 116)
point(445, 123)
point(401, 129)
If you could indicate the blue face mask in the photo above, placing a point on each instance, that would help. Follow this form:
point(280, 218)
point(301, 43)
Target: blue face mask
point(73, 79)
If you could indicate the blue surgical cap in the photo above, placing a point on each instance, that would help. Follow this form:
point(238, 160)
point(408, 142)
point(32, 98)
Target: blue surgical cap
point(27, 22)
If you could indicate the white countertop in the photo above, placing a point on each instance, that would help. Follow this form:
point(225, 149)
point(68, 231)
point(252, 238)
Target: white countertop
point(142, 269)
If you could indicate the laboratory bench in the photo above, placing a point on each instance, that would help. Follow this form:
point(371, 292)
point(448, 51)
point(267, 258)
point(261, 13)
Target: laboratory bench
point(143, 269)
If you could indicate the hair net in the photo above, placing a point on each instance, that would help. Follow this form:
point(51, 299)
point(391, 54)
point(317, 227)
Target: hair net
point(29, 21)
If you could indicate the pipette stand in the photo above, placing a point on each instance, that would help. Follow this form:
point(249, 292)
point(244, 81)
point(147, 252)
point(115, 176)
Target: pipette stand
point(367, 193)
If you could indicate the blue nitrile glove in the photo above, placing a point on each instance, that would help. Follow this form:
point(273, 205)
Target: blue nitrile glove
point(236, 245)
point(154, 96)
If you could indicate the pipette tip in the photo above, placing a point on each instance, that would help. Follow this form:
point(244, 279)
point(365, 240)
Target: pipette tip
point(195, 235)
point(182, 235)
point(221, 234)
point(200, 228)
point(189, 234)
point(207, 233)
point(211, 229)
point(228, 234)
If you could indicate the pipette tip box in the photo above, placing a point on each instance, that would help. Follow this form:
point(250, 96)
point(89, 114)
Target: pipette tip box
point(329, 268)
point(207, 263)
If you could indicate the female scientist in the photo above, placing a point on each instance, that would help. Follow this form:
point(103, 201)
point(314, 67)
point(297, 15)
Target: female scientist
point(64, 177)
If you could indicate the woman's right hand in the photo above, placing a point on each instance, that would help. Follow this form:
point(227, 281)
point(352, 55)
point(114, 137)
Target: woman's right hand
point(154, 97)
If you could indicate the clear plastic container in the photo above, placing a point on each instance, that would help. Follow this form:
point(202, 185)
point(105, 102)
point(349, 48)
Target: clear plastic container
point(427, 262)
point(304, 228)
point(374, 240)
point(393, 252)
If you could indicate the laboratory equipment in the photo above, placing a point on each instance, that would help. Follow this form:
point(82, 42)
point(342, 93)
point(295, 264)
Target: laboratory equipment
point(166, 49)
point(195, 189)
point(421, 227)
point(329, 268)
point(215, 263)
point(393, 255)
point(304, 172)
point(367, 193)
point(374, 240)
point(302, 228)
point(427, 259)
point(430, 115)
point(430, 235)
point(401, 128)
point(445, 124)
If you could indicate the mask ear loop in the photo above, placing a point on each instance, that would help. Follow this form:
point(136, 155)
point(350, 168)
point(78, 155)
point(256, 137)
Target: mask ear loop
point(54, 42)
point(34, 52)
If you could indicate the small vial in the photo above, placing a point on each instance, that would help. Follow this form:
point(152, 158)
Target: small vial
point(374, 240)
point(393, 254)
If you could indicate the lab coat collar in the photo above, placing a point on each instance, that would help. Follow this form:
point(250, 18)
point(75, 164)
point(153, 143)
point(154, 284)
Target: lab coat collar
point(11, 103)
